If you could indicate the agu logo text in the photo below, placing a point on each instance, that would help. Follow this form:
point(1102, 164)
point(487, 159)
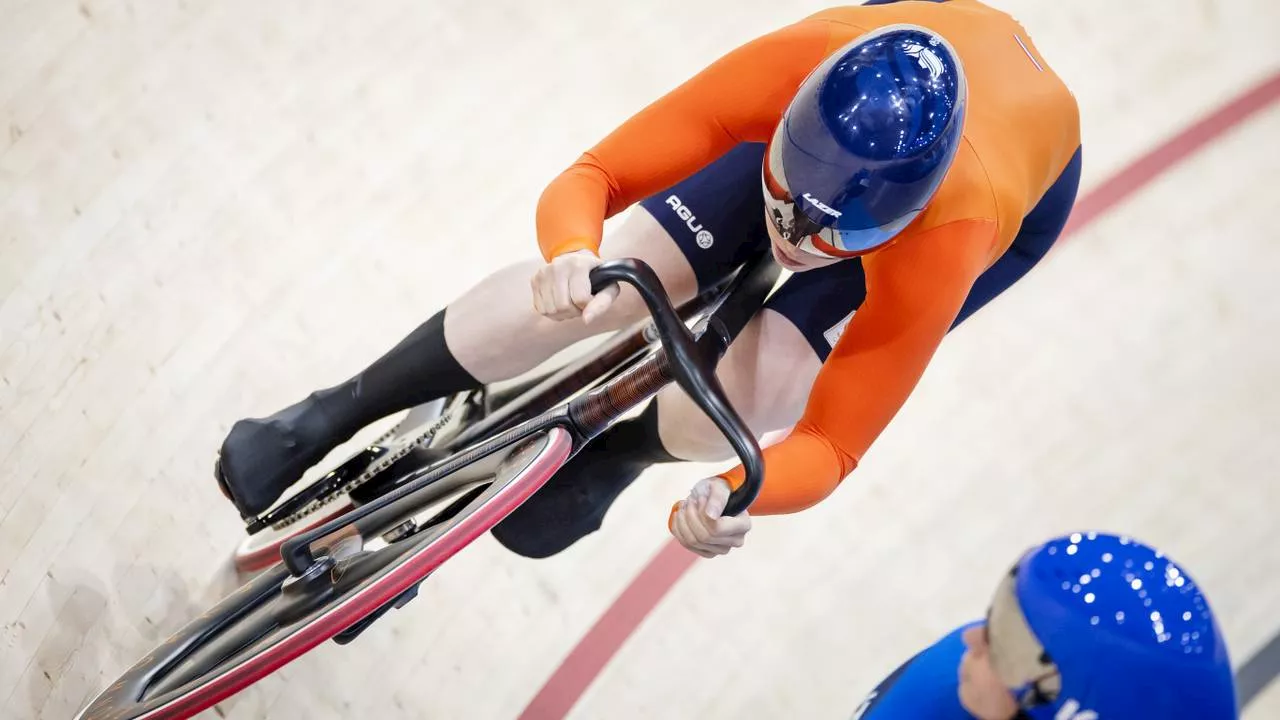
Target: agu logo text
point(703, 237)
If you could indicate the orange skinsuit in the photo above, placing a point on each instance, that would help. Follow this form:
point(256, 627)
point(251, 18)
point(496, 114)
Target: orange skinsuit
point(1021, 130)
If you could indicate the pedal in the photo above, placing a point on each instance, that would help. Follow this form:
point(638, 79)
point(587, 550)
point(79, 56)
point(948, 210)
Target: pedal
point(399, 601)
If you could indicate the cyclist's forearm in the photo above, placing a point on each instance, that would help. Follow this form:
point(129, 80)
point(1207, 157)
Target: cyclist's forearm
point(573, 208)
point(799, 472)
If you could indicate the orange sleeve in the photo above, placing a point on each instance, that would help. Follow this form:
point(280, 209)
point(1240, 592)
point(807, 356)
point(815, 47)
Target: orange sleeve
point(738, 98)
point(915, 289)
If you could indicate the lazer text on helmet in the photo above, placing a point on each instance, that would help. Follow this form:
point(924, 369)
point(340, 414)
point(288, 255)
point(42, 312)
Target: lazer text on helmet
point(822, 206)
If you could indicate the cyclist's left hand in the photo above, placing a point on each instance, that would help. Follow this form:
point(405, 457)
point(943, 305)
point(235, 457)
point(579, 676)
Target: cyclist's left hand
point(698, 524)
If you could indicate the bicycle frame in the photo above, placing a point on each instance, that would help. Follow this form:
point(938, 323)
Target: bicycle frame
point(687, 361)
point(294, 606)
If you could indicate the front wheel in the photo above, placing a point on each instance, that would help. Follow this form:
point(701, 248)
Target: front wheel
point(276, 617)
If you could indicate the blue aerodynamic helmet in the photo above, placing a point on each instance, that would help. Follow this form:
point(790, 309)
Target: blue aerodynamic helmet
point(1101, 627)
point(866, 142)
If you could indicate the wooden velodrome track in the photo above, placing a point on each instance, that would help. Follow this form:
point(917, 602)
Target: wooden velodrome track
point(207, 209)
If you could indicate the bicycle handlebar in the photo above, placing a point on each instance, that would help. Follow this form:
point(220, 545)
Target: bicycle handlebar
point(691, 370)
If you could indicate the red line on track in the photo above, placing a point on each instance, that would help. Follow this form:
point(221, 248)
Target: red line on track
point(585, 662)
point(1141, 172)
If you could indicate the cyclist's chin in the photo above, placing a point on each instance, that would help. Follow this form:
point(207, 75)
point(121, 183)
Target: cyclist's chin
point(980, 692)
point(796, 260)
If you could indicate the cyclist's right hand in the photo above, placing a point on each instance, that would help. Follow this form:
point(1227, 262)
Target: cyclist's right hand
point(562, 288)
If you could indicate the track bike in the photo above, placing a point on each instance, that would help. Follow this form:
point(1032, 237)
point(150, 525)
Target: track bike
point(337, 555)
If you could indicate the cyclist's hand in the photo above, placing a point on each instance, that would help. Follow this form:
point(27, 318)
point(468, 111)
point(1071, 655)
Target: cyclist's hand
point(562, 288)
point(698, 524)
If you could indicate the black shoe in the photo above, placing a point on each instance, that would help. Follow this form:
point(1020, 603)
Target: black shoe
point(262, 457)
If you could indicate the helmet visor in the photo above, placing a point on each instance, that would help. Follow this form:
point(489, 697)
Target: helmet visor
point(795, 225)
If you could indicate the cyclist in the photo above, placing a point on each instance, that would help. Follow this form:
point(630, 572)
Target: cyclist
point(907, 161)
point(1085, 627)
